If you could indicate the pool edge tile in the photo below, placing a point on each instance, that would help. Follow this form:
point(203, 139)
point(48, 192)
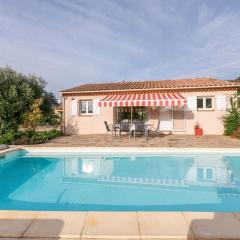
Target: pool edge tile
point(57, 224)
point(161, 225)
point(13, 224)
point(111, 225)
point(214, 225)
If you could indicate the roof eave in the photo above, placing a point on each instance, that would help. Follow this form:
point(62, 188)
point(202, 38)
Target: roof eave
point(151, 89)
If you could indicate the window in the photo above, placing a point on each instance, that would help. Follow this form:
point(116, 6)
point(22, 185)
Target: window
point(209, 174)
point(200, 174)
point(86, 107)
point(205, 174)
point(205, 103)
point(139, 114)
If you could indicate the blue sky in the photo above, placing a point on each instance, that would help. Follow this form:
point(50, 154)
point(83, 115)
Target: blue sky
point(70, 42)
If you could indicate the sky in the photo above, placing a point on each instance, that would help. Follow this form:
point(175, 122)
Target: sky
point(73, 42)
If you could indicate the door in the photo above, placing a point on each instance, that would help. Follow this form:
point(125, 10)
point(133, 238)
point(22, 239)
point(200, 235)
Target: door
point(179, 118)
point(165, 118)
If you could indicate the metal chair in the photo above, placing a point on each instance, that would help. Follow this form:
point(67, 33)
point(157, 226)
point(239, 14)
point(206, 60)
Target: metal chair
point(138, 128)
point(110, 128)
point(124, 127)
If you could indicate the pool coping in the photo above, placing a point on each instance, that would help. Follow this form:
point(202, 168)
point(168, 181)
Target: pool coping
point(129, 149)
point(119, 225)
point(132, 150)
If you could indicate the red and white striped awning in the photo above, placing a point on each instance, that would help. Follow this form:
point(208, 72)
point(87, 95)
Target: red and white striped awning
point(148, 99)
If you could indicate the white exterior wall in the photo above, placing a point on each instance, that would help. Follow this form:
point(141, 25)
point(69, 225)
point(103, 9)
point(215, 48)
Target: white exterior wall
point(210, 120)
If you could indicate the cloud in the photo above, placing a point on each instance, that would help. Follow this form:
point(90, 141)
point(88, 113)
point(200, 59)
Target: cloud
point(71, 42)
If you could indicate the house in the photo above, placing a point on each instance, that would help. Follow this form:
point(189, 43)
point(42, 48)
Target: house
point(213, 171)
point(169, 105)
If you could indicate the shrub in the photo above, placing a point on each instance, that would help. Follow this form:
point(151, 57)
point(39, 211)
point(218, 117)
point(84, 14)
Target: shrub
point(7, 138)
point(31, 137)
point(237, 133)
point(33, 117)
point(231, 122)
point(54, 133)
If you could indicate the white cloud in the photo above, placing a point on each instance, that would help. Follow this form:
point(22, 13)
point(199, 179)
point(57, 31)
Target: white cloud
point(71, 42)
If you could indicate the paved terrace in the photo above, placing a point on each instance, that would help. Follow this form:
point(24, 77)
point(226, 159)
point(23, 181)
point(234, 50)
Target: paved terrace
point(176, 141)
point(119, 225)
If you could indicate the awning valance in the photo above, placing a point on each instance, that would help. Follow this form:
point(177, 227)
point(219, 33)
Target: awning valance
point(148, 99)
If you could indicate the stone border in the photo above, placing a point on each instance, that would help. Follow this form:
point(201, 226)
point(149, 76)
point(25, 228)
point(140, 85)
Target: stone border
point(119, 225)
point(136, 150)
point(132, 150)
point(11, 149)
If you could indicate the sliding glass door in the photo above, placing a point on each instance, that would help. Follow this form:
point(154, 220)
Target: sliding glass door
point(172, 118)
point(179, 118)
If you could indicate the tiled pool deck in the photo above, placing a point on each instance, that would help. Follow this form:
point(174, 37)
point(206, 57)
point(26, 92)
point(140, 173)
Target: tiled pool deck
point(163, 141)
point(119, 225)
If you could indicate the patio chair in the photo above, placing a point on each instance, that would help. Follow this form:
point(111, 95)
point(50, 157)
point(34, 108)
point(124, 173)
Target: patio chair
point(157, 130)
point(139, 128)
point(110, 128)
point(124, 127)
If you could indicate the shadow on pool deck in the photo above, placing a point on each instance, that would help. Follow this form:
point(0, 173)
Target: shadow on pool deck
point(178, 141)
point(208, 225)
point(17, 226)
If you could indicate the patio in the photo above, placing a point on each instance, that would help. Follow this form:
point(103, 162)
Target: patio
point(163, 141)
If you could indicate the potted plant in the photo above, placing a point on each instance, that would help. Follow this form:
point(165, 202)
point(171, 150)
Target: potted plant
point(198, 130)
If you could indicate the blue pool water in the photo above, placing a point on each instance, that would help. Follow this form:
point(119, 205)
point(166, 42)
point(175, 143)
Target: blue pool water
point(119, 183)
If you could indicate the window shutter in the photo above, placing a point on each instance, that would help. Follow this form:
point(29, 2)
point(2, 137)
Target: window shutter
point(221, 102)
point(191, 103)
point(96, 108)
point(74, 107)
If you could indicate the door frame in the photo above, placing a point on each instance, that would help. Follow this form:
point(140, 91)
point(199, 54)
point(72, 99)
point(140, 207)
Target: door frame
point(172, 129)
point(185, 122)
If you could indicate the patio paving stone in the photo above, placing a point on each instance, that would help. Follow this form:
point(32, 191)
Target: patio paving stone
point(237, 214)
point(13, 224)
point(208, 225)
point(57, 225)
point(111, 225)
point(46, 239)
point(164, 225)
point(162, 141)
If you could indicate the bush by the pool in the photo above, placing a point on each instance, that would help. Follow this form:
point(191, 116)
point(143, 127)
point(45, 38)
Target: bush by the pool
point(29, 137)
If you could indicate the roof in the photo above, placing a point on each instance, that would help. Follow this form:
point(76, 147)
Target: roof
point(59, 107)
point(154, 85)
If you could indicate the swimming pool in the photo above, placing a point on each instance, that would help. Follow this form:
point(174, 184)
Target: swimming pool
point(119, 182)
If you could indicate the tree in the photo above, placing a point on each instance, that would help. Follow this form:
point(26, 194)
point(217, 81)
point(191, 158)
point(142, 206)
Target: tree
point(15, 97)
point(17, 94)
point(237, 79)
point(33, 117)
point(48, 107)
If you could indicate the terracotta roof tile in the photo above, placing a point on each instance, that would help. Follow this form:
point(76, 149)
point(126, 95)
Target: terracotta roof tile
point(155, 84)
